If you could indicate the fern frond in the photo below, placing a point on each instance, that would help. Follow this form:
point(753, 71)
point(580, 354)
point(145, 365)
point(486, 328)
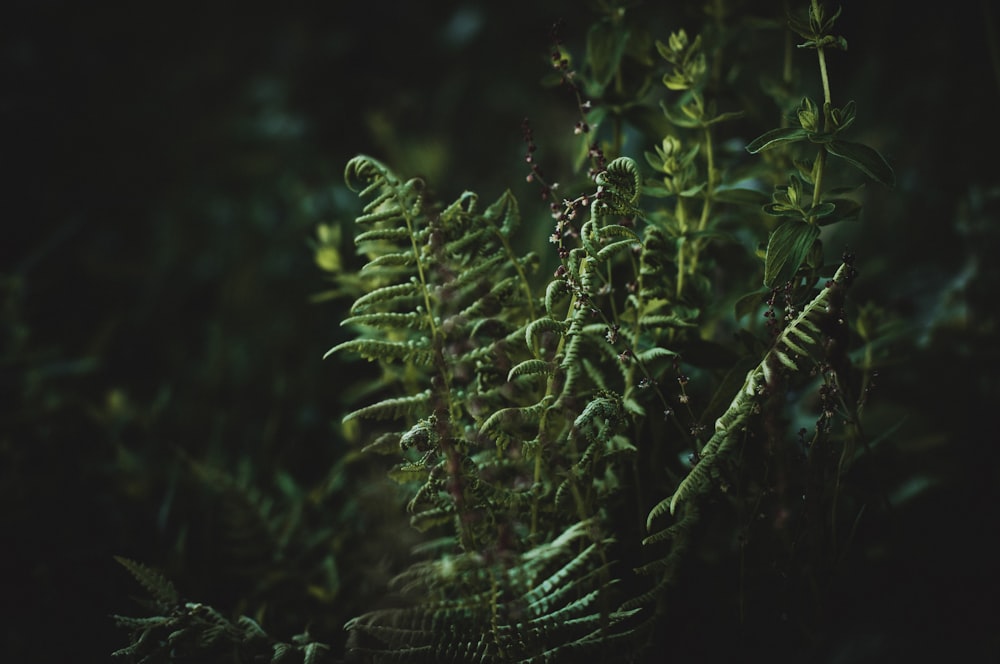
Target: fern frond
point(424, 521)
point(504, 214)
point(598, 415)
point(159, 587)
point(410, 320)
point(394, 260)
point(619, 187)
point(471, 240)
point(490, 266)
point(805, 328)
point(554, 292)
point(393, 408)
point(404, 295)
point(386, 443)
point(611, 231)
point(610, 250)
point(495, 424)
point(461, 207)
point(500, 295)
point(659, 320)
point(536, 328)
point(377, 349)
point(530, 368)
point(388, 234)
point(654, 353)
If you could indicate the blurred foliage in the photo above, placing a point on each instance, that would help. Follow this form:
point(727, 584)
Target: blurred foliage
point(162, 396)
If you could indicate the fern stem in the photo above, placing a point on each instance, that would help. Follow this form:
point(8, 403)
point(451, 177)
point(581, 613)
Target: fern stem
point(521, 275)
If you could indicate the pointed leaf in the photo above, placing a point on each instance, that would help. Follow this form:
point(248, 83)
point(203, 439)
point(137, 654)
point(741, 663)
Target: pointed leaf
point(782, 210)
point(748, 304)
point(725, 117)
point(776, 137)
point(865, 159)
point(605, 47)
point(786, 248)
point(846, 210)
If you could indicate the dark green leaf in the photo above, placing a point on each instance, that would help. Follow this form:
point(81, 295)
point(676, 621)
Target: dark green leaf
point(865, 159)
point(786, 248)
point(653, 160)
point(782, 210)
point(656, 189)
point(724, 117)
point(843, 117)
point(775, 137)
point(749, 303)
point(691, 192)
point(824, 209)
point(605, 47)
point(845, 210)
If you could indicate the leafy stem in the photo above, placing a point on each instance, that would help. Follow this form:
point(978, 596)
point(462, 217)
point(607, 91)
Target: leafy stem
point(817, 197)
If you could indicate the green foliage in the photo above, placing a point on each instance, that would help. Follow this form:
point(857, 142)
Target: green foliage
point(522, 404)
point(545, 416)
point(190, 629)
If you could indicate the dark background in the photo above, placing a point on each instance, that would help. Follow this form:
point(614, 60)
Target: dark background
point(165, 170)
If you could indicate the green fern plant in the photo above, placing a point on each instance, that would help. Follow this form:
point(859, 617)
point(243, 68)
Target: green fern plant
point(550, 430)
point(183, 630)
point(544, 439)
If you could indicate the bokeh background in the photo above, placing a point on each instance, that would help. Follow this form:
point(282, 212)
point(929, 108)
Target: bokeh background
point(166, 169)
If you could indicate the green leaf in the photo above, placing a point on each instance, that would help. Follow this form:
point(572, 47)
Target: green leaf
point(776, 137)
point(865, 159)
point(748, 304)
point(725, 117)
point(654, 160)
point(824, 209)
point(656, 189)
point(846, 210)
point(843, 118)
point(605, 48)
point(782, 210)
point(786, 248)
